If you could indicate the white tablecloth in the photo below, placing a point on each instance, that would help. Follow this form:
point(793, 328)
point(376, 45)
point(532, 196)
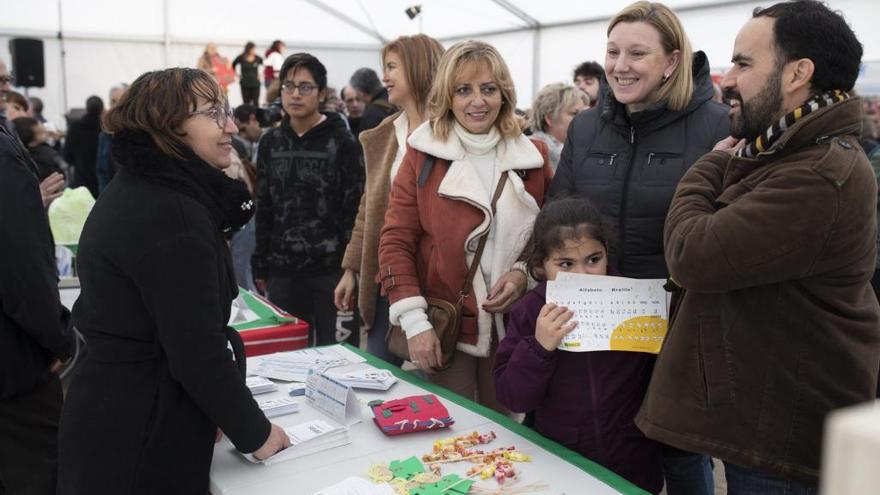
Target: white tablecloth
point(232, 474)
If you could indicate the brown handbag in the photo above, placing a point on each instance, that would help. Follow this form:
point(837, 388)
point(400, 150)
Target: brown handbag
point(445, 317)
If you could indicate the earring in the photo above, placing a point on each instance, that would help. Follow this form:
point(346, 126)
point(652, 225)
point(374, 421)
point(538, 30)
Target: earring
point(665, 77)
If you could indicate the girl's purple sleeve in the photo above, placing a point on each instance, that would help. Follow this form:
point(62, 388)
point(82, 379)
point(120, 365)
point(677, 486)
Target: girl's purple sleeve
point(523, 368)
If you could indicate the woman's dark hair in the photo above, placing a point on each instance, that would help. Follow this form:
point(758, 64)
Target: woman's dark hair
point(24, 127)
point(305, 61)
point(561, 220)
point(248, 47)
point(159, 102)
point(809, 29)
point(276, 46)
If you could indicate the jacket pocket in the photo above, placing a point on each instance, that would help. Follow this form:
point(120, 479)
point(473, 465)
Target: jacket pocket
point(662, 169)
point(714, 362)
point(597, 168)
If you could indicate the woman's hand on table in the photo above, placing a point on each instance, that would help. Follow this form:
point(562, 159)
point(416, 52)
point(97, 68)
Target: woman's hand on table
point(277, 441)
point(343, 294)
point(506, 291)
point(425, 352)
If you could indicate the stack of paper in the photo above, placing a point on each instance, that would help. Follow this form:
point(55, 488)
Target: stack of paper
point(294, 366)
point(279, 406)
point(259, 385)
point(308, 438)
point(369, 378)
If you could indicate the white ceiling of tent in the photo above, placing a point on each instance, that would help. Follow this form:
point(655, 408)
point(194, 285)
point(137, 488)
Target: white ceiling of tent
point(300, 21)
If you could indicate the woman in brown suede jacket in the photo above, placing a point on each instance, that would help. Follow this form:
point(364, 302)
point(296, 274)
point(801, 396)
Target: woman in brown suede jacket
point(409, 64)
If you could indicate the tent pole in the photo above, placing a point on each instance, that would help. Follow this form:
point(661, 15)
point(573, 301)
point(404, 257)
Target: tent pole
point(166, 39)
point(63, 63)
point(536, 62)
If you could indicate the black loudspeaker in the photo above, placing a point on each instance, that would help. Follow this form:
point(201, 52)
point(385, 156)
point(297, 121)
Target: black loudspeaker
point(27, 62)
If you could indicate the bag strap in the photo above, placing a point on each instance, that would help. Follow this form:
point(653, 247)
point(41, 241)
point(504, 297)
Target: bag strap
point(426, 170)
point(466, 289)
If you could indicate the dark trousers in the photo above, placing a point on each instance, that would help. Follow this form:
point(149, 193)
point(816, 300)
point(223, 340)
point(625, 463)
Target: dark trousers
point(376, 344)
point(686, 473)
point(251, 96)
point(309, 297)
point(29, 440)
point(745, 481)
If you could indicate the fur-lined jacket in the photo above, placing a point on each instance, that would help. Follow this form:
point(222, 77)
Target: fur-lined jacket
point(431, 231)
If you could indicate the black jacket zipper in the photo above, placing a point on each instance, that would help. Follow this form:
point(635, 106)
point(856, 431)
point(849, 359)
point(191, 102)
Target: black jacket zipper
point(621, 214)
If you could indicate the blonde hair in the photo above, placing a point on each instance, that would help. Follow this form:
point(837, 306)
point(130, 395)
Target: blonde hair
point(442, 92)
point(420, 56)
point(679, 88)
point(551, 101)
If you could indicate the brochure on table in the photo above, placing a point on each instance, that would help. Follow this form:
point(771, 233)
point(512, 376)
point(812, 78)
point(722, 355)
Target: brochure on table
point(294, 366)
point(612, 313)
point(334, 398)
point(335, 403)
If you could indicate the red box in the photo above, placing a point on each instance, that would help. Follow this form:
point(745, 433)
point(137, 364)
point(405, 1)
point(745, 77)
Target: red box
point(275, 331)
point(289, 337)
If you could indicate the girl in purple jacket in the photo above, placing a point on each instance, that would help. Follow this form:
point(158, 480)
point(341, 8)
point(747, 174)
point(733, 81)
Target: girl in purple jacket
point(583, 400)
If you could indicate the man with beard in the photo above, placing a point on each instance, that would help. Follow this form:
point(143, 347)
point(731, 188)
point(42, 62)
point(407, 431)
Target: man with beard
point(771, 237)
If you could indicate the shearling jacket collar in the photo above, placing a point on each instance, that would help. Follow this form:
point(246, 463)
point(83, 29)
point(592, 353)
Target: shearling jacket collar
point(517, 153)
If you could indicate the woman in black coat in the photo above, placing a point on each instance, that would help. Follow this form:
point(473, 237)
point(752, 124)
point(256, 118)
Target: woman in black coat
point(654, 119)
point(157, 281)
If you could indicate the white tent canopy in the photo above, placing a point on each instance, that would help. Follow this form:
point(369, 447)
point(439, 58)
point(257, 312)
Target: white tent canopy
point(91, 45)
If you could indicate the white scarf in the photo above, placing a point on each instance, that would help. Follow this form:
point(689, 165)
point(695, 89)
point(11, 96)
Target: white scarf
point(477, 144)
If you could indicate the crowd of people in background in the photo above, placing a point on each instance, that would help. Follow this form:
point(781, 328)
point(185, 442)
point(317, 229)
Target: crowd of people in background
point(749, 191)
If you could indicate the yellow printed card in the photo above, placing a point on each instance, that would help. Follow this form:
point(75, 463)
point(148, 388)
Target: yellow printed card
point(612, 313)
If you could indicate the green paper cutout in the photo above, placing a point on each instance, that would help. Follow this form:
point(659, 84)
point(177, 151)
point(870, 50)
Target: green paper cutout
point(440, 487)
point(267, 317)
point(406, 468)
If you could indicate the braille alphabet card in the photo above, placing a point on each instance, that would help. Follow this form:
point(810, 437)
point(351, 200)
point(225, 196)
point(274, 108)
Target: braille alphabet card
point(612, 313)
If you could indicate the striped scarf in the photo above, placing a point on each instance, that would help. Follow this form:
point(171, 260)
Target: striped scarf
point(764, 142)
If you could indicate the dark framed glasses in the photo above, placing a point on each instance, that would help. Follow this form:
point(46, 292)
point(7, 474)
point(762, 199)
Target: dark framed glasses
point(305, 89)
point(220, 115)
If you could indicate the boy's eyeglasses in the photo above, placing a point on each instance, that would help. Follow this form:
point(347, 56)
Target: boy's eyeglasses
point(305, 89)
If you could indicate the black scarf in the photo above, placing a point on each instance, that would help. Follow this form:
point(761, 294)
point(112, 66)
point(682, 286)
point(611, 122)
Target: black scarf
point(227, 200)
point(763, 142)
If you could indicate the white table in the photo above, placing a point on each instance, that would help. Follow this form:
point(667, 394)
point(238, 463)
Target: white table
point(68, 295)
point(231, 474)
